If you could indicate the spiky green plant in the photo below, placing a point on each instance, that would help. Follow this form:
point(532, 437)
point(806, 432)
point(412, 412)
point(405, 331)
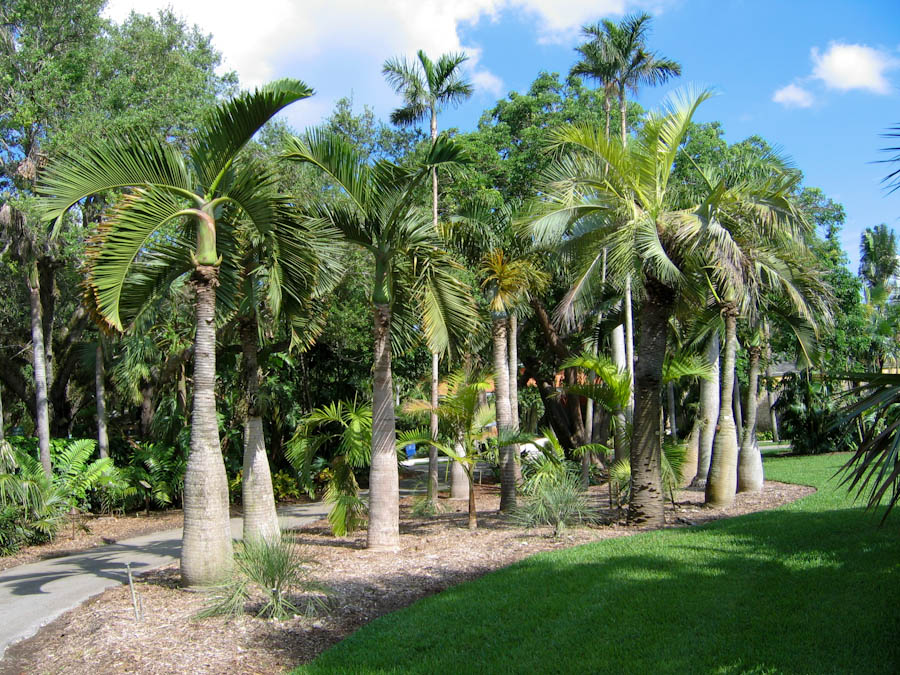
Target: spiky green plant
point(559, 503)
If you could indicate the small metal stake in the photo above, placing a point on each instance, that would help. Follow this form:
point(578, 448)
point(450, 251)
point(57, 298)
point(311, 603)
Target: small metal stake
point(134, 600)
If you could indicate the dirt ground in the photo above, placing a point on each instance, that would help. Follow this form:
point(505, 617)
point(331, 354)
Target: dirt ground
point(102, 636)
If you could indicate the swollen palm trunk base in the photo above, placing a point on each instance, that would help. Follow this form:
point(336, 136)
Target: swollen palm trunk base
point(260, 517)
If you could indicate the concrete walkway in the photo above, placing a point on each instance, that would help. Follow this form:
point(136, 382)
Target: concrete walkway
point(33, 595)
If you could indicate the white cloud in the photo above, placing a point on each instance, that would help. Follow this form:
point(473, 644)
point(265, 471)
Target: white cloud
point(338, 46)
point(845, 67)
point(793, 96)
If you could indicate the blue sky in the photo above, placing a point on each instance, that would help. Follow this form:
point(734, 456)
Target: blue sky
point(820, 79)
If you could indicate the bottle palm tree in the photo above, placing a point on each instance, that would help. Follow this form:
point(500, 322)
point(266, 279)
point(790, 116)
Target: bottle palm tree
point(166, 201)
point(608, 195)
point(426, 86)
point(413, 284)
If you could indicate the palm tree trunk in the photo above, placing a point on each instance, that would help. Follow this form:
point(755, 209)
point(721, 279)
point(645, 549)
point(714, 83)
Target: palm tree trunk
point(384, 481)
point(690, 457)
point(512, 338)
point(100, 390)
point(736, 402)
point(206, 555)
point(473, 513)
point(501, 401)
point(147, 409)
point(710, 392)
point(459, 479)
point(257, 496)
point(433, 451)
point(670, 401)
point(647, 497)
point(721, 483)
point(629, 343)
point(773, 417)
point(750, 468)
point(42, 423)
point(2, 432)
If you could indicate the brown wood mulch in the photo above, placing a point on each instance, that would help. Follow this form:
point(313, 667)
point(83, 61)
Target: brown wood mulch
point(102, 636)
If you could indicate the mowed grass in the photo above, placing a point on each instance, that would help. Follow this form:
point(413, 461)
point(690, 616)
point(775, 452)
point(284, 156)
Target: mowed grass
point(812, 587)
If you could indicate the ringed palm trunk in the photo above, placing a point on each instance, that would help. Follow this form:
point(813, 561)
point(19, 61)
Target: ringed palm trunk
point(721, 483)
point(257, 496)
point(690, 457)
point(710, 393)
point(750, 467)
point(42, 423)
point(773, 417)
point(206, 555)
point(459, 477)
point(433, 451)
point(501, 401)
point(384, 481)
point(100, 391)
point(647, 496)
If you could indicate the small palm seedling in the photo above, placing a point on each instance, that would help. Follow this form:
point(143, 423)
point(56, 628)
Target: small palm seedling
point(273, 572)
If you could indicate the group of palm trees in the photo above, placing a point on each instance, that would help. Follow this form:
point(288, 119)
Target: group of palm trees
point(735, 246)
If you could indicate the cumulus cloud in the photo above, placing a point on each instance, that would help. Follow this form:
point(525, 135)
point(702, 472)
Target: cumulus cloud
point(338, 46)
point(793, 96)
point(846, 67)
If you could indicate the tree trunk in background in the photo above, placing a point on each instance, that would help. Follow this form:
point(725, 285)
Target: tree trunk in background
point(691, 452)
point(512, 338)
point(736, 403)
point(647, 498)
point(42, 423)
point(710, 391)
point(206, 555)
point(501, 401)
point(432, 450)
point(629, 345)
point(2, 432)
point(257, 496)
point(773, 417)
point(721, 483)
point(147, 409)
point(384, 480)
point(100, 391)
point(670, 400)
point(47, 285)
point(750, 467)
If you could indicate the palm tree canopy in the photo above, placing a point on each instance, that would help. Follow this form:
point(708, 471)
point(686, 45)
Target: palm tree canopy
point(878, 260)
point(426, 85)
point(413, 274)
point(169, 200)
point(625, 44)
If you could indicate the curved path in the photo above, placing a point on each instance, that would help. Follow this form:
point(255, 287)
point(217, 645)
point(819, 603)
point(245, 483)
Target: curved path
point(33, 595)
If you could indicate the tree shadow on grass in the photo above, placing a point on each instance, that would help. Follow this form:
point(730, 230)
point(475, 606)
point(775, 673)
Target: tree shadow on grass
point(779, 591)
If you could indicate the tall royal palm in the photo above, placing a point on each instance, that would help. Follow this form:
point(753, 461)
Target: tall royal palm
point(426, 86)
point(166, 201)
point(413, 284)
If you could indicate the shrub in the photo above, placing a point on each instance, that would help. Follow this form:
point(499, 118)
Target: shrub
point(808, 411)
point(274, 571)
point(559, 503)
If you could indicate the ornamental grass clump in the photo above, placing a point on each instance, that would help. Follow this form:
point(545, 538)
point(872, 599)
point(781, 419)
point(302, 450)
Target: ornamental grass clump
point(559, 503)
point(272, 575)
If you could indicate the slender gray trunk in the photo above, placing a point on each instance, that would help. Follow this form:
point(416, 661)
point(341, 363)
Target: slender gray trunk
point(100, 390)
point(384, 480)
point(736, 402)
point(647, 497)
point(2, 432)
point(750, 466)
point(710, 391)
point(629, 344)
point(690, 458)
point(206, 554)
point(42, 423)
point(147, 409)
point(670, 400)
point(433, 451)
point(501, 401)
point(773, 417)
point(512, 338)
point(721, 483)
point(257, 495)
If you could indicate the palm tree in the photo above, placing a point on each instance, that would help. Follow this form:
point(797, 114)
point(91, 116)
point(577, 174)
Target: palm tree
point(427, 86)
point(759, 239)
point(878, 261)
point(413, 284)
point(165, 201)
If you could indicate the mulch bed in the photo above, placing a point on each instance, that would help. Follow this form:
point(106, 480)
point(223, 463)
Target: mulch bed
point(102, 636)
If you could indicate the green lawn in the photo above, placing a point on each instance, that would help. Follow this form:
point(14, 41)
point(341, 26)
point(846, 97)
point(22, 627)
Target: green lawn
point(813, 587)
